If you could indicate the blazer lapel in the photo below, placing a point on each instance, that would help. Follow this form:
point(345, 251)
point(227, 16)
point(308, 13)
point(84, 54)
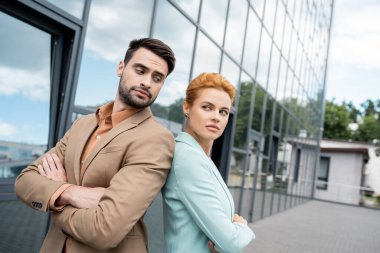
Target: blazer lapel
point(123, 126)
point(89, 128)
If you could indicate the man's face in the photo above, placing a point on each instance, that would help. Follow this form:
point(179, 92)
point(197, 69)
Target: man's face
point(141, 79)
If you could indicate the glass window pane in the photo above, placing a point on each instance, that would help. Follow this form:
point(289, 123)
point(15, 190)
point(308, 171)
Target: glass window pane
point(265, 49)
point(280, 21)
point(230, 71)
point(242, 120)
point(207, 57)
point(235, 28)
point(213, 18)
point(107, 39)
point(24, 87)
point(270, 12)
point(281, 80)
point(258, 109)
point(235, 175)
point(191, 7)
point(252, 43)
point(73, 7)
point(258, 5)
point(179, 35)
point(273, 72)
point(24, 126)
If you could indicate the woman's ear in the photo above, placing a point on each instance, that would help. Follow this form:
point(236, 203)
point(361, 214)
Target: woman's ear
point(120, 68)
point(186, 108)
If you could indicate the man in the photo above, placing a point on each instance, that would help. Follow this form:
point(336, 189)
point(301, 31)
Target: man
point(104, 173)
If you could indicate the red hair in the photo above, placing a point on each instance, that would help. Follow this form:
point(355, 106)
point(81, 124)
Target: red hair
point(208, 80)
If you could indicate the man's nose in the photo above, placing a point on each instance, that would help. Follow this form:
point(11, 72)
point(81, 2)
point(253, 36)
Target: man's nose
point(146, 81)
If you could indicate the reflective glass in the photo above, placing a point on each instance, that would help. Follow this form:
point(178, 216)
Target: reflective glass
point(213, 18)
point(242, 121)
point(265, 50)
point(258, 5)
point(281, 80)
point(235, 175)
point(270, 12)
point(207, 56)
point(235, 28)
point(280, 21)
point(73, 7)
point(273, 72)
point(230, 71)
point(258, 109)
point(191, 7)
point(24, 126)
point(180, 37)
point(252, 44)
point(111, 26)
point(24, 87)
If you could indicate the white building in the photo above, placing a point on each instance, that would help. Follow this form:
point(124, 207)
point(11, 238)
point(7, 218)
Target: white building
point(346, 170)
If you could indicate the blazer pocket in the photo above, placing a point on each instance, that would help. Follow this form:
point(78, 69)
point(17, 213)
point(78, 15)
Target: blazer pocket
point(110, 149)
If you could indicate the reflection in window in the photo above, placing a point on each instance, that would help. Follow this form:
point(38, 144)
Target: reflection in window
point(24, 87)
point(252, 43)
point(273, 72)
point(258, 5)
point(230, 71)
point(73, 7)
point(108, 35)
point(280, 21)
point(258, 109)
point(191, 7)
point(265, 49)
point(213, 18)
point(207, 57)
point(235, 28)
point(179, 35)
point(270, 13)
point(243, 114)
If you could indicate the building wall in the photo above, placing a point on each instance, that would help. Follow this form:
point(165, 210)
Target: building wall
point(344, 180)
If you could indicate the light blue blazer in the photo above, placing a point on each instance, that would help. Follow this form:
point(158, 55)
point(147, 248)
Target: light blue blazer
point(198, 206)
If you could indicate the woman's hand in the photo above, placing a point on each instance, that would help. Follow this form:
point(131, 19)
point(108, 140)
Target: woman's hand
point(239, 219)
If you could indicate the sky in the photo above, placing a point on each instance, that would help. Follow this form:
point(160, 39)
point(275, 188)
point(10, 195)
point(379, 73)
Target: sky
point(354, 62)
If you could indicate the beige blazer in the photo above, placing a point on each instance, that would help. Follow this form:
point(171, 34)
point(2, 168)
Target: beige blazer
point(132, 161)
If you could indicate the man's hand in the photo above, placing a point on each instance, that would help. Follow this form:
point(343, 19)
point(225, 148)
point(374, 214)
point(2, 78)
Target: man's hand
point(52, 168)
point(239, 219)
point(81, 197)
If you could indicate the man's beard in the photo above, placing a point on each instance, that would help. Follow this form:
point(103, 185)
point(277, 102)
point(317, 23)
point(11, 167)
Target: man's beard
point(127, 98)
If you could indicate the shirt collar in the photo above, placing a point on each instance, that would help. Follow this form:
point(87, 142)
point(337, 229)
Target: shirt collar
point(105, 113)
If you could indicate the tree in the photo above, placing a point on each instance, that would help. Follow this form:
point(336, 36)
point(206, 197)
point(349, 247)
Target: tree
point(337, 118)
point(369, 130)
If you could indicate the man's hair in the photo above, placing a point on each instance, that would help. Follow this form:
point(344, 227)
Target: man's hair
point(208, 80)
point(155, 46)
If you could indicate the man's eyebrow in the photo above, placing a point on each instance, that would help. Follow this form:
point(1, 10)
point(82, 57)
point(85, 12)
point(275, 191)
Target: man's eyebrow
point(140, 65)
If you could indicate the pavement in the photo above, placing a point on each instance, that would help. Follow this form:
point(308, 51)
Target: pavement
point(316, 227)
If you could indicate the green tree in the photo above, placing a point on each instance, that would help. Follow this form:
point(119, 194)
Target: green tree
point(337, 118)
point(176, 112)
point(369, 129)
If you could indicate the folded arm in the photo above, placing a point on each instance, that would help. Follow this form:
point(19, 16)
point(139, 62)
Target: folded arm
point(198, 194)
point(125, 201)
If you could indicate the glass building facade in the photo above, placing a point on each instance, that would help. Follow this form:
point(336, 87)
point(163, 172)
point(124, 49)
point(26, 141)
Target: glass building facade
point(58, 62)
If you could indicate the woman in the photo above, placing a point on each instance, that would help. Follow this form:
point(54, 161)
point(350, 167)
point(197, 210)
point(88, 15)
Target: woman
point(198, 207)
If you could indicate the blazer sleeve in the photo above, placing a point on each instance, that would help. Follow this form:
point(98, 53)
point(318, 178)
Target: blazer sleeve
point(126, 200)
point(36, 190)
point(197, 192)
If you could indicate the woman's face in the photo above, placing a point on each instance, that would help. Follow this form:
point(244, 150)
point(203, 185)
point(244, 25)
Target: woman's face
point(208, 116)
